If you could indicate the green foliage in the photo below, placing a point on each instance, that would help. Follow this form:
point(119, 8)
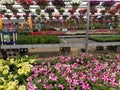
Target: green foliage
point(105, 38)
point(22, 39)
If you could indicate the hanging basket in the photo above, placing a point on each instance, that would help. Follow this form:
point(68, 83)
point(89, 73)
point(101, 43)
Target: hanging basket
point(9, 6)
point(8, 16)
point(25, 6)
point(58, 7)
point(42, 7)
point(75, 6)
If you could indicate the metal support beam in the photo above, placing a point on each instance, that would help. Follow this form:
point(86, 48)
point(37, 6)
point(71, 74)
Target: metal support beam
point(87, 26)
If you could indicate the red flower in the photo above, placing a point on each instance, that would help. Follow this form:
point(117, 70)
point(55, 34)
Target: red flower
point(57, 16)
point(118, 6)
point(73, 16)
point(71, 10)
point(82, 11)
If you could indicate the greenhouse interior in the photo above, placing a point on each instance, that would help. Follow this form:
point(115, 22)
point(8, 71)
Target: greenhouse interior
point(60, 45)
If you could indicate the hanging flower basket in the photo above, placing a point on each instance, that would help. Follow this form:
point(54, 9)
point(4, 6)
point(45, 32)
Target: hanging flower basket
point(38, 10)
point(42, 3)
point(113, 11)
point(58, 4)
point(73, 16)
point(93, 3)
point(57, 16)
point(118, 6)
point(49, 10)
point(71, 10)
point(75, 5)
point(61, 11)
point(15, 11)
point(9, 6)
point(27, 11)
point(102, 12)
point(8, 16)
point(108, 4)
point(17, 16)
point(3, 11)
point(93, 11)
point(26, 17)
point(82, 11)
point(64, 17)
point(33, 16)
point(42, 16)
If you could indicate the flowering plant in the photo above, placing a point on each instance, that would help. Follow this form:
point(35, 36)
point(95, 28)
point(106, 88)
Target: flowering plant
point(58, 3)
point(57, 16)
point(64, 16)
point(93, 11)
point(13, 72)
point(83, 11)
point(94, 2)
point(61, 10)
point(84, 72)
point(2, 11)
point(73, 16)
point(7, 2)
point(49, 10)
point(42, 2)
point(102, 12)
point(17, 16)
point(71, 10)
point(108, 3)
point(25, 2)
point(8, 16)
point(118, 6)
point(113, 11)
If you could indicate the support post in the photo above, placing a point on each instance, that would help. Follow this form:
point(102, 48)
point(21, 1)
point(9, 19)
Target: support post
point(88, 24)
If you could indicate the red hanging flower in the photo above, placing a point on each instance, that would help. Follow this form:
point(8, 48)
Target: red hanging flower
point(93, 11)
point(57, 16)
point(73, 16)
point(118, 6)
point(71, 10)
point(83, 11)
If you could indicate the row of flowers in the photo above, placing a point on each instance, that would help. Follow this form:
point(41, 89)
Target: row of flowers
point(84, 72)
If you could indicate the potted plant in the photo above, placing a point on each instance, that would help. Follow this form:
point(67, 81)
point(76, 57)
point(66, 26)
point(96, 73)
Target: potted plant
point(15, 11)
point(42, 16)
point(93, 11)
point(57, 16)
point(73, 16)
point(102, 12)
point(93, 3)
point(61, 10)
point(25, 3)
point(42, 3)
point(26, 16)
point(38, 10)
point(17, 16)
point(3, 11)
point(113, 11)
point(71, 10)
point(33, 16)
point(49, 10)
point(58, 3)
point(64, 16)
point(108, 4)
point(75, 4)
point(8, 16)
point(82, 11)
point(27, 11)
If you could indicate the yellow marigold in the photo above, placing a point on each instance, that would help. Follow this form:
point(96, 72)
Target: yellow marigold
point(22, 87)
point(20, 71)
point(5, 71)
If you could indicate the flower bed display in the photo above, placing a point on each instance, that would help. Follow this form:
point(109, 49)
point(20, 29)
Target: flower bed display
point(23, 39)
point(14, 72)
point(83, 72)
point(105, 38)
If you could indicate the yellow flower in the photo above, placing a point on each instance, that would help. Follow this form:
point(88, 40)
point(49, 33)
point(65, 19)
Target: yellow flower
point(32, 60)
point(15, 76)
point(22, 87)
point(5, 71)
point(1, 87)
point(10, 76)
point(0, 63)
point(16, 81)
point(12, 60)
point(1, 68)
point(20, 71)
point(6, 67)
